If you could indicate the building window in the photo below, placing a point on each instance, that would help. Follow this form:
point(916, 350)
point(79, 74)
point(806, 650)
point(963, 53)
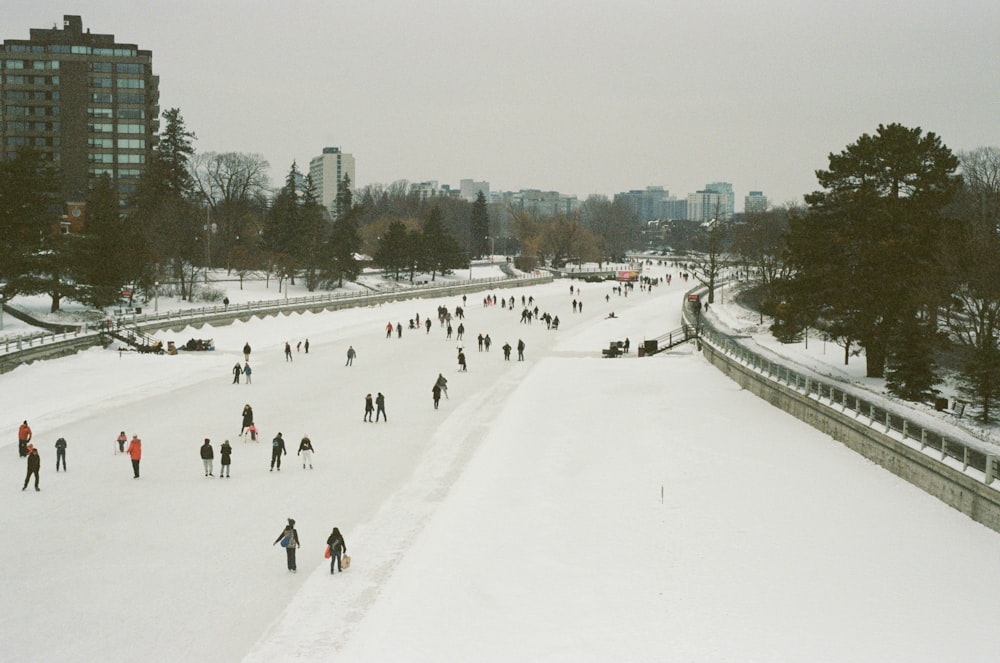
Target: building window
point(106, 143)
point(100, 67)
point(131, 83)
point(131, 114)
point(129, 173)
point(100, 112)
point(100, 127)
point(97, 172)
point(130, 98)
point(14, 64)
point(80, 50)
point(101, 158)
point(128, 68)
point(104, 51)
point(131, 144)
point(131, 128)
point(100, 82)
point(16, 80)
point(131, 158)
point(100, 97)
point(45, 64)
point(17, 95)
point(59, 48)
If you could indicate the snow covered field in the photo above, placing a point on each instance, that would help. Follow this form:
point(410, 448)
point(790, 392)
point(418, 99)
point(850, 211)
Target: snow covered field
point(564, 508)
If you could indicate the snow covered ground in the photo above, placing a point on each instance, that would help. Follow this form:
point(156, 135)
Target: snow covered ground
point(564, 508)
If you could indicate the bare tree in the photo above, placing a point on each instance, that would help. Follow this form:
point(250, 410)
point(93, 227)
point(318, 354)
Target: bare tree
point(234, 185)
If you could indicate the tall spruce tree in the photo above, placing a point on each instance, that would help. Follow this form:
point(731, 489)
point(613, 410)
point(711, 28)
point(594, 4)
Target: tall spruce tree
point(479, 226)
point(870, 239)
point(173, 229)
point(27, 216)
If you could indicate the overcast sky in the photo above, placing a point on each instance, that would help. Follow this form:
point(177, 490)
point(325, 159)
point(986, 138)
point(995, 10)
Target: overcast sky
point(574, 96)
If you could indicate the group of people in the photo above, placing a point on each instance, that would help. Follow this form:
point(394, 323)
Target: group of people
point(26, 449)
point(371, 405)
point(336, 548)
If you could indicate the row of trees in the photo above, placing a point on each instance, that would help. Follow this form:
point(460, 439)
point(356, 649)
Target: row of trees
point(897, 255)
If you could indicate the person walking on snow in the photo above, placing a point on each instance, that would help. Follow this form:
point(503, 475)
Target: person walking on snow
point(442, 382)
point(506, 351)
point(207, 456)
point(34, 465)
point(306, 346)
point(225, 459)
point(388, 330)
point(460, 330)
point(237, 372)
point(436, 392)
point(351, 354)
point(520, 349)
point(369, 408)
point(380, 404)
point(337, 548)
point(61, 453)
point(121, 440)
point(288, 351)
point(247, 371)
point(306, 451)
point(289, 539)
point(461, 361)
point(134, 452)
point(277, 449)
point(23, 437)
point(246, 351)
point(247, 417)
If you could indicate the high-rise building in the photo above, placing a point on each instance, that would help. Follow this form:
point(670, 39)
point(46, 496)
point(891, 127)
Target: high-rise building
point(755, 201)
point(88, 103)
point(724, 189)
point(706, 205)
point(653, 202)
point(327, 171)
point(470, 189)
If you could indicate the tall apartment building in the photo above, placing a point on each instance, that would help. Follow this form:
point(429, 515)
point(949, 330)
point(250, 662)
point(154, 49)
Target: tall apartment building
point(653, 202)
point(470, 189)
point(706, 205)
point(724, 189)
point(755, 201)
point(327, 171)
point(88, 103)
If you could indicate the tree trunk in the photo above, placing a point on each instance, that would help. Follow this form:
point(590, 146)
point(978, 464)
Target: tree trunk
point(875, 366)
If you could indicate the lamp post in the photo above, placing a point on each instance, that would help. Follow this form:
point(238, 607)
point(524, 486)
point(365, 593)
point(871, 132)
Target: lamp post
point(286, 288)
point(493, 247)
point(1, 310)
point(156, 296)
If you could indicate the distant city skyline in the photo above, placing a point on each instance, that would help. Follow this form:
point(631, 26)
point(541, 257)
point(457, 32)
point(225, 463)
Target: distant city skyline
point(556, 96)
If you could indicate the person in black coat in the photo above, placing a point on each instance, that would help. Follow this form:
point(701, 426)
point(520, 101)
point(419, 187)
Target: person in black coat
point(277, 449)
point(247, 417)
point(207, 457)
point(291, 544)
point(225, 454)
point(369, 408)
point(237, 372)
point(61, 453)
point(34, 464)
point(337, 548)
point(380, 407)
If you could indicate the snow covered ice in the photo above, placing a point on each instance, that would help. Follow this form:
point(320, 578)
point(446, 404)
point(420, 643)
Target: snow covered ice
point(522, 521)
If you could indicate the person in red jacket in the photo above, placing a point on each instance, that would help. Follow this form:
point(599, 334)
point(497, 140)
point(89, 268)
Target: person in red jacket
point(134, 452)
point(23, 437)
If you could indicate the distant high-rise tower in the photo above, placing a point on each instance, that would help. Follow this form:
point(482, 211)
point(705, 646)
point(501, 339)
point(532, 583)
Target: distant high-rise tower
point(755, 201)
point(327, 172)
point(724, 189)
point(89, 104)
point(706, 205)
point(469, 190)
